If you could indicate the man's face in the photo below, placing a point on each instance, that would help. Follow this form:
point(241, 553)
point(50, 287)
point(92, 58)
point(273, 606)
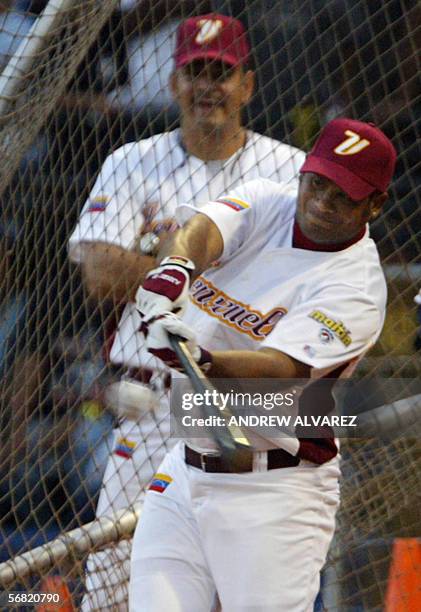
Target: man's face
point(327, 215)
point(211, 93)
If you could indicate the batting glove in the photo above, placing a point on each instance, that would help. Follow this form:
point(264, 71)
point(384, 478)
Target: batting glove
point(165, 289)
point(158, 342)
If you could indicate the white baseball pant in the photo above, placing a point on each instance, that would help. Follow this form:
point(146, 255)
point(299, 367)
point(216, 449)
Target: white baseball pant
point(125, 478)
point(258, 539)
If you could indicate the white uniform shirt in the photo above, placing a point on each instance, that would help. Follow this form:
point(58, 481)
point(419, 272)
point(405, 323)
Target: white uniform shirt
point(157, 172)
point(325, 309)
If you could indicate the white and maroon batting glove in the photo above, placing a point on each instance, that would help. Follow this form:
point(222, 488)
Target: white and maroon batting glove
point(165, 289)
point(159, 345)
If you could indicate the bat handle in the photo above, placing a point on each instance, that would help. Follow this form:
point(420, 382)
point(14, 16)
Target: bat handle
point(199, 380)
point(180, 348)
point(237, 455)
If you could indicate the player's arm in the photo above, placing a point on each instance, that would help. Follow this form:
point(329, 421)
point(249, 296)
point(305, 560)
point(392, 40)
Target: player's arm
point(111, 272)
point(266, 363)
point(221, 227)
point(199, 240)
point(211, 235)
point(105, 239)
point(191, 250)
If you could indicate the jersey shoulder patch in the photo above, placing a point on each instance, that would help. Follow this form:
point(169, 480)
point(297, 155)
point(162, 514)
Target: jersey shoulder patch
point(234, 203)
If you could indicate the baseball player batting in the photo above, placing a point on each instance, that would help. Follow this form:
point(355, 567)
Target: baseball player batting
point(132, 204)
point(283, 285)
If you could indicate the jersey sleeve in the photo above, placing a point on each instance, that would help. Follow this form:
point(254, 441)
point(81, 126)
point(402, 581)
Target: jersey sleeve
point(330, 329)
point(113, 211)
point(251, 208)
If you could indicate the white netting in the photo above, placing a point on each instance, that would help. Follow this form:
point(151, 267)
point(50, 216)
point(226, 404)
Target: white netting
point(86, 77)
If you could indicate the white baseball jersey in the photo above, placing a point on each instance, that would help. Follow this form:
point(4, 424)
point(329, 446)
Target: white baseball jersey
point(322, 308)
point(158, 173)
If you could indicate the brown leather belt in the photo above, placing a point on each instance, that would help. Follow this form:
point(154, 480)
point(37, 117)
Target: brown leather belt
point(209, 462)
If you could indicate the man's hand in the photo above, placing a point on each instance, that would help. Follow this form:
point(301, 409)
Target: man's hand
point(165, 289)
point(159, 345)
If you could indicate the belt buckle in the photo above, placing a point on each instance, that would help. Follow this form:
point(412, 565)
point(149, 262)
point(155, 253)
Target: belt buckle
point(203, 459)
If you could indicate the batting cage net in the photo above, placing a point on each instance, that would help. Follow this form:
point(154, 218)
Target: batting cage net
point(81, 78)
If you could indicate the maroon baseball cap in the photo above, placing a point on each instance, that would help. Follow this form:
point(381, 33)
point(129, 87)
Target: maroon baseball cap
point(211, 36)
point(357, 156)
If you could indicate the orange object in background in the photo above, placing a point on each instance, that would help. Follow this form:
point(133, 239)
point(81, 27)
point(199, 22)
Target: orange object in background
point(404, 583)
point(56, 585)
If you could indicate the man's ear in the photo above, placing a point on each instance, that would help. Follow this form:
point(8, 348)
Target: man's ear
point(248, 86)
point(376, 205)
point(173, 83)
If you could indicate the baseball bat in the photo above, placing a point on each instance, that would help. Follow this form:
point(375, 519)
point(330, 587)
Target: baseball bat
point(235, 449)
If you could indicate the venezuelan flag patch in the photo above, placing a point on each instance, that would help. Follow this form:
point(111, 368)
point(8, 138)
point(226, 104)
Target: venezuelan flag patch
point(160, 482)
point(98, 204)
point(234, 203)
point(124, 448)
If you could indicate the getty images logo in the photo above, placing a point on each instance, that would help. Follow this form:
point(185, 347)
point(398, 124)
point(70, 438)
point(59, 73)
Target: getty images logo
point(353, 144)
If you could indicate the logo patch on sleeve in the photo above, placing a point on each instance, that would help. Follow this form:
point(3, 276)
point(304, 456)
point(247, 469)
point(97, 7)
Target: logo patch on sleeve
point(336, 327)
point(234, 203)
point(98, 204)
point(124, 448)
point(160, 482)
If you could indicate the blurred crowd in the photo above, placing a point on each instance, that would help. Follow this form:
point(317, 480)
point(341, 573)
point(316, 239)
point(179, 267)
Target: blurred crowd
point(314, 60)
